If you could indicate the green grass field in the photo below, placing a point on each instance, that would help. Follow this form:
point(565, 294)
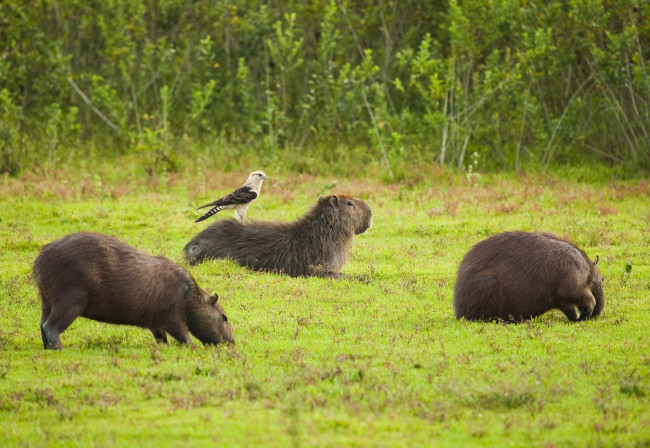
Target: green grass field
point(376, 359)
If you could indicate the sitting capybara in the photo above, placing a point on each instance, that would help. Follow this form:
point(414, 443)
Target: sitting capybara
point(514, 276)
point(316, 244)
point(104, 279)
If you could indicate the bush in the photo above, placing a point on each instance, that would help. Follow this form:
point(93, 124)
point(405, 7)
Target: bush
point(523, 84)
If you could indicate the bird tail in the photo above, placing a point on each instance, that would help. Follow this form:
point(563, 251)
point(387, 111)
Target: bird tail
point(210, 213)
point(206, 205)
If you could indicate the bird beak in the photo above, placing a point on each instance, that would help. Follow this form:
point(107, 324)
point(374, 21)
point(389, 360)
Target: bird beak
point(264, 177)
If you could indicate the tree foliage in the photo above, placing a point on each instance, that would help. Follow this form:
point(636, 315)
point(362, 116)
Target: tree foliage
point(518, 82)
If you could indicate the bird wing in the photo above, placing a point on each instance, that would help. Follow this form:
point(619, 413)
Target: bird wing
point(241, 195)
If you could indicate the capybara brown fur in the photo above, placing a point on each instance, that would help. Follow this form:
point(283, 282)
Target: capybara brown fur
point(515, 276)
point(102, 278)
point(316, 244)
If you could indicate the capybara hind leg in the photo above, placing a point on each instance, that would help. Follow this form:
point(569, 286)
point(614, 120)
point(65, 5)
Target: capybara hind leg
point(45, 313)
point(51, 339)
point(160, 335)
point(63, 313)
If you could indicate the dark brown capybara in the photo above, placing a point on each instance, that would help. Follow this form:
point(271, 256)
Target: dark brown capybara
point(316, 244)
point(514, 276)
point(102, 278)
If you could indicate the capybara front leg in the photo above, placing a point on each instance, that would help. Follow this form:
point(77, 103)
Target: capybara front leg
point(160, 335)
point(179, 332)
point(586, 304)
point(583, 299)
point(570, 312)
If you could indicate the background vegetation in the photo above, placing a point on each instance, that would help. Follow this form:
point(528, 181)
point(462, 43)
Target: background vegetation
point(377, 359)
point(519, 83)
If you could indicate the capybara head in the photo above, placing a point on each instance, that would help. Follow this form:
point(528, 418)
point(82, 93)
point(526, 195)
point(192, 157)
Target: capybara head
point(351, 213)
point(207, 321)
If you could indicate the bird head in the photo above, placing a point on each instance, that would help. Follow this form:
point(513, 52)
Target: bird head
point(256, 178)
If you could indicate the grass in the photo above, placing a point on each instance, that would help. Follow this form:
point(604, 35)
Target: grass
point(377, 359)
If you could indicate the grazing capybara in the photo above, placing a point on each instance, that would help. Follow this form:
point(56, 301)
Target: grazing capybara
point(317, 244)
point(514, 276)
point(102, 278)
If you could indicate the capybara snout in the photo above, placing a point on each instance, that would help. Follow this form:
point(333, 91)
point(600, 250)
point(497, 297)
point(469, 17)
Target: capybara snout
point(102, 278)
point(514, 276)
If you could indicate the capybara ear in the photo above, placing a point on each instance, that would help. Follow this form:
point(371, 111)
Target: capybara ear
point(596, 261)
point(213, 299)
point(334, 200)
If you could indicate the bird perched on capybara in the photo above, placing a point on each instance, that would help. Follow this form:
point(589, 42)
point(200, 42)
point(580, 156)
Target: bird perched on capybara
point(102, 278)
point(239, 200)
point(514, 276)
point(317, 244)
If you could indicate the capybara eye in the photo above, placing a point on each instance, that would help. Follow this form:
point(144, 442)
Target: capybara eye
point(351, 204)
point(225, 318)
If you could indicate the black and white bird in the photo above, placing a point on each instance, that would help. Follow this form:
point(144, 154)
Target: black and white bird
point(239, 200)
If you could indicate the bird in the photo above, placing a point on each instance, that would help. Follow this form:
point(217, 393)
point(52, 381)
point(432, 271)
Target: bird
point(239, 200)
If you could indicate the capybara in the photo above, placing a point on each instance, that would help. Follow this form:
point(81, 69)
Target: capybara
point(316, 244)
point(104, 279)
point(514, 276)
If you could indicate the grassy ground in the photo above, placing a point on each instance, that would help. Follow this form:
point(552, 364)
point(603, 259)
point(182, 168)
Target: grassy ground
point(377, 359)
